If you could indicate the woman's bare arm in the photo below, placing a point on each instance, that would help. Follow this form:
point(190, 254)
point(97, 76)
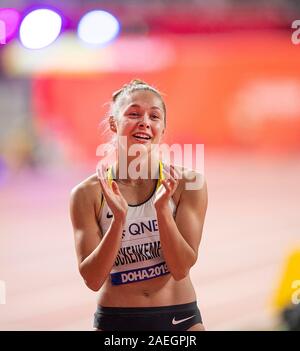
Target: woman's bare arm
point(95, 256)
point(180, 237)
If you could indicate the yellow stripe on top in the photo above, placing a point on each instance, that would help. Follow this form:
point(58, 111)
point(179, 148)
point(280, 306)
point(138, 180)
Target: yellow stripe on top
point(109, 176)
point(161, 175)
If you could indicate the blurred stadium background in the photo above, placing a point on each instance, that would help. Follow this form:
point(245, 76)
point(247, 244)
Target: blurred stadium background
point(231, 78)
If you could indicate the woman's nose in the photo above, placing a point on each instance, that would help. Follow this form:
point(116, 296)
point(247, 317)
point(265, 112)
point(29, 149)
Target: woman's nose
point(144, 121)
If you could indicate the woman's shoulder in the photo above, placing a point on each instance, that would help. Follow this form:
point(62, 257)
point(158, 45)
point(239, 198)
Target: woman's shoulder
point(191, 179)
point(88, 189)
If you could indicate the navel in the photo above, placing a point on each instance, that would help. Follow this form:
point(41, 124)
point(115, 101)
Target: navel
point(146, 293)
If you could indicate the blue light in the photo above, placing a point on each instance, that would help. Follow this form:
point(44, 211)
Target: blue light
point(98, 27)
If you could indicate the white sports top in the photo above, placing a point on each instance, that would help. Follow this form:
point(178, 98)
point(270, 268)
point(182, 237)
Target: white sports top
point(140, 256)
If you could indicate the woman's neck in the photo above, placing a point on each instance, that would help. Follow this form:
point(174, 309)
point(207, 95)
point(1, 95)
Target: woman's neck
point(136, 172)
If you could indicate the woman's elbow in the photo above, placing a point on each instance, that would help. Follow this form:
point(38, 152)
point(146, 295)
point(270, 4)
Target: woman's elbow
point(90, 282)
point(183, 273)
point(95, 286)
point(179, 275)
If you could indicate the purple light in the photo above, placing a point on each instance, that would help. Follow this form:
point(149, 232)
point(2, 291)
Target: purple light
point(9, 23)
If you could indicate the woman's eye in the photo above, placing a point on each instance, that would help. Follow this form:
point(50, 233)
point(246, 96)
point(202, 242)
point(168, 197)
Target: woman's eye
point(154, 116)
point(134, 114)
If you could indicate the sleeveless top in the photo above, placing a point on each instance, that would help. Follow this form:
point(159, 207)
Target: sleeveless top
point(140, 256)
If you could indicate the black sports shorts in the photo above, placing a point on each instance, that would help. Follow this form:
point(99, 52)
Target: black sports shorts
point(162, 318)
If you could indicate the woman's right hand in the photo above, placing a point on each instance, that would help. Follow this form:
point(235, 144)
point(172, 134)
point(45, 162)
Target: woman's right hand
point(115, 200)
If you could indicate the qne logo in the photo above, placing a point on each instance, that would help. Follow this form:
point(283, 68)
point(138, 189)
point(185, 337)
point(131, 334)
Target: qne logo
point(2, 32)
point(150, 226)
point(2, 292)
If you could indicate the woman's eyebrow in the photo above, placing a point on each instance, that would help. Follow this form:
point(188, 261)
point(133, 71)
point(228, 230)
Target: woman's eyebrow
point(137, 105)
point(156, 108)
point(134, 105)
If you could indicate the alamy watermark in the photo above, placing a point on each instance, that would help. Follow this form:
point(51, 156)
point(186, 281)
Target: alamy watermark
point(296, 294)
point(296, 34)
point(2, 292)
point(188, 160)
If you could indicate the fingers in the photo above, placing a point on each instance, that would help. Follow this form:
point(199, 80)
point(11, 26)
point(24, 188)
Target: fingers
point(174, 172)
point(115, 188)
point(103, 181)
point(101, 173)
point(166, 185)
point(171, 172)
point(171, 176)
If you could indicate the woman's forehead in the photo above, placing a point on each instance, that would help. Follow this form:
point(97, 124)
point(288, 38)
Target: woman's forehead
point(142, 98)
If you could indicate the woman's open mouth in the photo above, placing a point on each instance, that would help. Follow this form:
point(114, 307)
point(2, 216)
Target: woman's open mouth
point(142, 137)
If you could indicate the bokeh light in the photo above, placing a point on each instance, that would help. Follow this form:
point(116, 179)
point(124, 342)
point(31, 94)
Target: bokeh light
point(98, 27)
point(40, 28)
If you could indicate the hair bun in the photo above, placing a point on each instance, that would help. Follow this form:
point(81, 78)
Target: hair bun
point(133, 82)
point(137, 82)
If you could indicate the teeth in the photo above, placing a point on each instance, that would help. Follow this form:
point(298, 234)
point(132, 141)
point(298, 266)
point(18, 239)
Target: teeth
point(143, 136)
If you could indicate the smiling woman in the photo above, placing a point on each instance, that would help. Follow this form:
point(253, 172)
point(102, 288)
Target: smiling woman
point(148, 111)
point(135, 103)
point(142, 275)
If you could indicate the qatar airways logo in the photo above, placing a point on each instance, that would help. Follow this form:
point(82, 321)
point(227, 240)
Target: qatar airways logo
point(144, 160)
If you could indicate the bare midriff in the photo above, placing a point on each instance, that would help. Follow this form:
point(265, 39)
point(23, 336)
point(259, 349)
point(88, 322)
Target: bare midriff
point(161, 291)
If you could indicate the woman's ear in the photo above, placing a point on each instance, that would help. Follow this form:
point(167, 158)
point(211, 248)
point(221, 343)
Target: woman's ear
point(112, 124)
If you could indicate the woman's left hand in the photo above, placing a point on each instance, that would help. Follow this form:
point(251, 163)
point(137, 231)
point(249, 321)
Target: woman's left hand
point(167, 188)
